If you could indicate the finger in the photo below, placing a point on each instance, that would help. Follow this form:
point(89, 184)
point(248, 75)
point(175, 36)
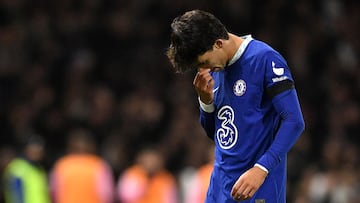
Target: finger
point(211, 83)
point(246, 197)
point(252, 193)
point(247, 190)
point(205, 77)
point(240, 191)
point(240, 198)
point(233, 192)
point(204, 70)
point(247, 193)
point(196, 79)
point(237, 199)
point(234, 189)
point(201, 82)
point(202, 78)
point(205, 82)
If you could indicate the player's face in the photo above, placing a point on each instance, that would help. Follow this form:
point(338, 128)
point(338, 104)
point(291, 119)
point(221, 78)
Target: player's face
point(215, 59)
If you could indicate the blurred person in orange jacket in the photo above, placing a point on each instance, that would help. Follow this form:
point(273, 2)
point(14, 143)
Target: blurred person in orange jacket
point(201, 180)
point(147, 181)
point(81, 175)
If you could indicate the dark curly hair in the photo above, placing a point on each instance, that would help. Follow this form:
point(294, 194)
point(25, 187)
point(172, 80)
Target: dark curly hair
point(193, 34)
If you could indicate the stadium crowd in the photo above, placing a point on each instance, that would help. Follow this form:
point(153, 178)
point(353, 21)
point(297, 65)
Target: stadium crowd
point(100, 65)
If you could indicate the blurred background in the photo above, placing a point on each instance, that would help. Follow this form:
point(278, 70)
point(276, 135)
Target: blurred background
point(99, 65)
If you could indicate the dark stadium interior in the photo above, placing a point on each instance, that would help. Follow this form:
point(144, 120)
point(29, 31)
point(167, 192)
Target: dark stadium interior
point(101, 65)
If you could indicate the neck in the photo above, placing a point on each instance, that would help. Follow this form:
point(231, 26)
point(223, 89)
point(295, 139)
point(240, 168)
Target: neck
point(235, 42)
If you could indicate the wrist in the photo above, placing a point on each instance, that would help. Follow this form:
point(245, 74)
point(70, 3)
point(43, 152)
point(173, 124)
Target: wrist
point(209, 108)
point(262, 168)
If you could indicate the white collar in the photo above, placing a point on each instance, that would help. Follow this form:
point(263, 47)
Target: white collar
point(240, 51)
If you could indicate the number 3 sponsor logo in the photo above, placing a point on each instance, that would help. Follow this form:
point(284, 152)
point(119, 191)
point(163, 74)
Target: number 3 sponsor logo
point(227, 134)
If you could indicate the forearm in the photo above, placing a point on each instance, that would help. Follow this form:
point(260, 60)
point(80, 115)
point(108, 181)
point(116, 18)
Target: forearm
point(207, 119)
point(291, 127)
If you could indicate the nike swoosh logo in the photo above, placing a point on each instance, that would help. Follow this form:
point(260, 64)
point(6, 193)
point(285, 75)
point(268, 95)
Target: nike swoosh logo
point(216, 89)
point(277, 71)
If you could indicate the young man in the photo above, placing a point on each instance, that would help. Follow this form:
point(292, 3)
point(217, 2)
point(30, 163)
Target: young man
point(248, 106)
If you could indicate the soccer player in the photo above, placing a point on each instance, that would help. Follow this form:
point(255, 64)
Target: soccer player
point(248, 106)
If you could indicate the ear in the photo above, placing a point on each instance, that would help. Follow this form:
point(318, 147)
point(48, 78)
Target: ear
point(218, 44)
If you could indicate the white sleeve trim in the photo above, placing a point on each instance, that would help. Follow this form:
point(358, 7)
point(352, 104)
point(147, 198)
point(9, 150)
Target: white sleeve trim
point(209, 108)
point(262, 168)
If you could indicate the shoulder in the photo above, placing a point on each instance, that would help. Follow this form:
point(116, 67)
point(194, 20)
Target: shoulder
point(257, 53)
point(15, 163)
point(263, 55)
point(260, 48)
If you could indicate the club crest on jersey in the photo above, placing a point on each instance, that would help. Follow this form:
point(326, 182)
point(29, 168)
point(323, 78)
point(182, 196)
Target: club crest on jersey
point(227, 134)
point(239, 87)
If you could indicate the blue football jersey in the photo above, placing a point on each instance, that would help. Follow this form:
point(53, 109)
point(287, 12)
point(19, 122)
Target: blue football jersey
point(244, 122)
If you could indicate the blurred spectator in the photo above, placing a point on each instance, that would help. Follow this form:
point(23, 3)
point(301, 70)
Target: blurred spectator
point(25, 178)
point(7, 154)
point(201, 179)
point(81, 175)
point(147, 181)
point(335, 179)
